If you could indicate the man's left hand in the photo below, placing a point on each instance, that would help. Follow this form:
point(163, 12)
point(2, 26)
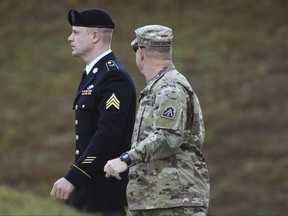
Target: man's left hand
point(114, 167)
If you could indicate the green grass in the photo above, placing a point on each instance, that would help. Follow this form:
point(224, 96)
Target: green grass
point(234, 53)
point(15, 202)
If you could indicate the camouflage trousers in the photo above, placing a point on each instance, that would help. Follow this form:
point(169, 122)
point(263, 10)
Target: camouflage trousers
point(180, 211)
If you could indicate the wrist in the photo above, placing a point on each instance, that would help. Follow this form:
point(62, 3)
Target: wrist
point(126, 158)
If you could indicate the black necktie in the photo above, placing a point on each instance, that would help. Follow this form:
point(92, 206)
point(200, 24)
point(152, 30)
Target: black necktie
point(84, 75)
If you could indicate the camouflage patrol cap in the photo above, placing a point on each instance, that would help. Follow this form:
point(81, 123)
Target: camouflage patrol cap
point(154, 36)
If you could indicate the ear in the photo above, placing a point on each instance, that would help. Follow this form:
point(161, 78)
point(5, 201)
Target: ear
point(142, 54)
point(95, 36)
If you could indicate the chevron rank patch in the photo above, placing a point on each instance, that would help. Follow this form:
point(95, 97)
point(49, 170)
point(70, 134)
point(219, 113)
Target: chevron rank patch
point(169, 113)
point(113, 101)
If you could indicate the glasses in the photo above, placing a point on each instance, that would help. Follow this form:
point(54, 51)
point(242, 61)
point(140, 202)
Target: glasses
point(135, 47)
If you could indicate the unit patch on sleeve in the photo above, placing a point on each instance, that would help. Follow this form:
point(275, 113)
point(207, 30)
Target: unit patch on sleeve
point(169, 113)
point(113, 101)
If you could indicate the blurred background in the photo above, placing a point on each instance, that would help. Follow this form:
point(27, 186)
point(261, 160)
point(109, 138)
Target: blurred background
point(234, 53)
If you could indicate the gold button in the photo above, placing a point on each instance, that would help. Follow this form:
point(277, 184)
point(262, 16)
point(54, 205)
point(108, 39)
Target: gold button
point(77, 137)
point(83, 106)
point(77, 152)
point(76, 107)
point(76, 122)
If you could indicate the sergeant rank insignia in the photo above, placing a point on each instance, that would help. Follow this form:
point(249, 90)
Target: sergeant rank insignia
point(113, 101)
point(169, 113)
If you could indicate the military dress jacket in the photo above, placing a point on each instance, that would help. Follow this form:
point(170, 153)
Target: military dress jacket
point(168, 169)
point(105, 115)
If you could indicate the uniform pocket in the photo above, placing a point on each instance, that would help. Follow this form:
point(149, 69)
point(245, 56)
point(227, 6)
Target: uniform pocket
point(87, 103)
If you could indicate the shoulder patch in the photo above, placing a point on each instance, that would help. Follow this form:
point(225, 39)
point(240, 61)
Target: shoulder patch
point(111, 65)
point(169, 113)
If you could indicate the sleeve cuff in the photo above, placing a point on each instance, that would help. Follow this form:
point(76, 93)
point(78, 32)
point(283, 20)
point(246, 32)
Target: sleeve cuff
point(76, 176)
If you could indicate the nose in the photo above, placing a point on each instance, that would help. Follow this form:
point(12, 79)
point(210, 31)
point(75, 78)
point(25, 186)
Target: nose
point(70, 38)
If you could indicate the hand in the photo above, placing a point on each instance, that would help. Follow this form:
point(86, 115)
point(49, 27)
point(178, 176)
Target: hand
point(114, 167)
point(62, 189)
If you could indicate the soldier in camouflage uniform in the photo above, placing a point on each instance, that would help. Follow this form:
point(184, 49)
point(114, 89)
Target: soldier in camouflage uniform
point(168, 174)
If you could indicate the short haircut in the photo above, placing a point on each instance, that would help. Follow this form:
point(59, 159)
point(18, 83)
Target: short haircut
point(105, 34)
point(161, 53)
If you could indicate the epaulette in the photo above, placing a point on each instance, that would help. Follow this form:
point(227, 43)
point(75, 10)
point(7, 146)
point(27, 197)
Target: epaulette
point(111, 65)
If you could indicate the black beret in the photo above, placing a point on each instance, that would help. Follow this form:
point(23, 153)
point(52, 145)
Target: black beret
point(94, 17)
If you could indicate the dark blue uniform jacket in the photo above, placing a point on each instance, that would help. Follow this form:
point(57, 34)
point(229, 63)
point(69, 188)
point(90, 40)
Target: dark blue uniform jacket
point(105, 113)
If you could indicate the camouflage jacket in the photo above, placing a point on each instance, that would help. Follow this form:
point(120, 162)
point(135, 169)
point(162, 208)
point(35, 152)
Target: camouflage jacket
point(168, 169)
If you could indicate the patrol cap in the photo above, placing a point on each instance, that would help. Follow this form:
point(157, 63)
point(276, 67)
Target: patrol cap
point(154, 36)
point(94, 17)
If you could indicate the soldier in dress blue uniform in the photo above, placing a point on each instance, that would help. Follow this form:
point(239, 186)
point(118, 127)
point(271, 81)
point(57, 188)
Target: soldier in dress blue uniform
point(104, 107)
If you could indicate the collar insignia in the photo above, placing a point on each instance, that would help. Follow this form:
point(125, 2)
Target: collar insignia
point(95, 70)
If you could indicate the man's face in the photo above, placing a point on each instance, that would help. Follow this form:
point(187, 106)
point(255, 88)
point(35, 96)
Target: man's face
point(140, 57)
point(80, 41)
